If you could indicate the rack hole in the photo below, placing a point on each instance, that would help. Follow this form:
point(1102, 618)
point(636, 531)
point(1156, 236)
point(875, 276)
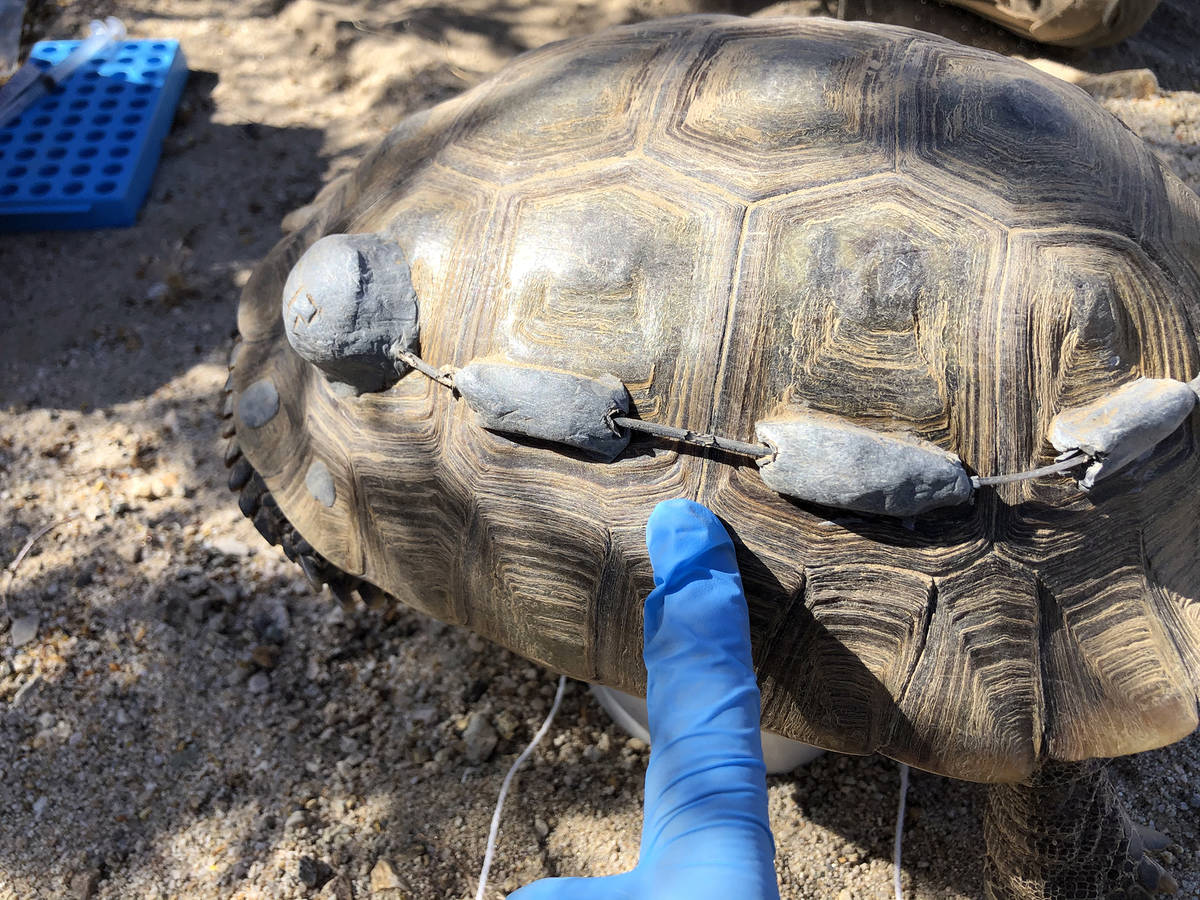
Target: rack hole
point(8, 190)
point(127, 135)
point(16, 171)
point(73, 187)
point(94, 136)
point(48, 171)
point(106, 187)
point(80, 169)
point(40, 189)
point(26, 153)
point(56, 152)
point(34, 137)
point(65, 137)
point(118, 152)
point(112, 169)
point(42, 121)
point(87, 152)
point(72, 120)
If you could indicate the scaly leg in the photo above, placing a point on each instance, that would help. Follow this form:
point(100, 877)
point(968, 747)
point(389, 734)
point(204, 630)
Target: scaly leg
point(1064, 835)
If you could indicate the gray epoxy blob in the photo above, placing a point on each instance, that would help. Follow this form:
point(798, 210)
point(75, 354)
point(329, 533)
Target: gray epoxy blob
point(320, 483)
point(347, 302)
point(258, 404)
point(825, 460)
point(546, 404)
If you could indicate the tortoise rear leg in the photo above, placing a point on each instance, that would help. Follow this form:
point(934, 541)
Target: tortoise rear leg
point(1064, 835)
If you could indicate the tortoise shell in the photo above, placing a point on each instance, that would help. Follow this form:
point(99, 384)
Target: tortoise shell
point(738, 219)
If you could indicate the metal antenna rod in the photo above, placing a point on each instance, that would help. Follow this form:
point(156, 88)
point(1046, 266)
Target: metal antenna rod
point(1077, 458)
point(692, 437)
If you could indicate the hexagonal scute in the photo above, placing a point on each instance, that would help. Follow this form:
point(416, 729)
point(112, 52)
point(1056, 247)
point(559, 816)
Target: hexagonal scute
point(1022, 146)
point(766, 109)
point(857, 309)
point(560, 107)
point(621, 273)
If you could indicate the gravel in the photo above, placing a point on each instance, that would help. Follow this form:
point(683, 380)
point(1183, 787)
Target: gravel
point(180, 714)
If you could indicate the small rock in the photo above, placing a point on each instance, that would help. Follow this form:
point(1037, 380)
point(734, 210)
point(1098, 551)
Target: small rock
point(541, 827)
point(24, 629)
point(265, 655)
point(340, 888)
point(259, 683)
point(314, 872)
point(231, 546)
point(506, 724)
point(1194, 801)
point(131, 551)
point(84, 884)
point(297, 820)
point(479, 738)
point(386, 881)
point(637, 745)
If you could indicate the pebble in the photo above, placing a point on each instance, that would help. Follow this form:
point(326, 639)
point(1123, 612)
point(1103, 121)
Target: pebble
point(259, 683)
point(231, 546)
point(24, 629)
point(479, 738)
point(386, 881)
point(541, 828)
point(84, 884)
point(314, 872)
point(506, 724)
point(297, 820)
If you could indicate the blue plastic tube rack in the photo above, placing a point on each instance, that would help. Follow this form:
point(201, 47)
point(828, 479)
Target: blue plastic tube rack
point(84, 155)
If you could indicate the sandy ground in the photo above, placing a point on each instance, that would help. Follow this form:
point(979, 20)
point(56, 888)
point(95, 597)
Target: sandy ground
point(180, 715)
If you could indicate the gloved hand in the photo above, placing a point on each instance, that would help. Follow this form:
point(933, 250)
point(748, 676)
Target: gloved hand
point(705, 832)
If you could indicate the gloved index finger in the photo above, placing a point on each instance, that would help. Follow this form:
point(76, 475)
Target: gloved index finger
point(706, 765)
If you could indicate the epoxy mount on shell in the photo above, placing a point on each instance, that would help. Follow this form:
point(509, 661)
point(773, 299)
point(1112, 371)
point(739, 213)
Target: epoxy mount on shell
point(823, 459)
point(1118, 429)
point(347, 304)
point(547, 404)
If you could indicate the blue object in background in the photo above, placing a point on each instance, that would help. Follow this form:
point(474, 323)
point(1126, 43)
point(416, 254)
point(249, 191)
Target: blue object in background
point(84, 156)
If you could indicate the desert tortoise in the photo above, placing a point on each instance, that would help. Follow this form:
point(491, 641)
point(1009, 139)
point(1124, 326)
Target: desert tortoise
point(882, 266)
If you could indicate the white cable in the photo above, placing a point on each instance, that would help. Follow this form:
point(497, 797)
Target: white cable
point(900, 829)
point(495, 830)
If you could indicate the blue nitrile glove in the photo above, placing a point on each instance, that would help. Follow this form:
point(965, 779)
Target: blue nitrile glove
point(705, 832)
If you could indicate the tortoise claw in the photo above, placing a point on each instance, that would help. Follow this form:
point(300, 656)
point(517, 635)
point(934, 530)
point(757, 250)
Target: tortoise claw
point(1154, 878)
